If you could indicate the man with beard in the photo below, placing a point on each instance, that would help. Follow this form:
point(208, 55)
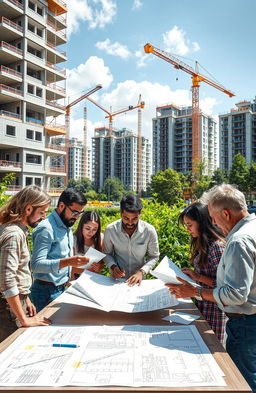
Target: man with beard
point(26, 208)
point(52, 256)
point(131, 245)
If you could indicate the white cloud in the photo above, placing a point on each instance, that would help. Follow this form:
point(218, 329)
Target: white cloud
point(176, 42)
point(97, 13)
point(86, 76)
point(137, 4)
point(115, 48)
point(142, 58)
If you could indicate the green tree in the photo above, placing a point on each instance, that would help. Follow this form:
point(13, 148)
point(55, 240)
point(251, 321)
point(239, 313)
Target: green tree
point(166, 186)
point(239, 172)
point(252, 177)
point(91, 195)
point(113, 188)
point(219, 176)
point(7, 179)
point(83, 185)
point(201, 185)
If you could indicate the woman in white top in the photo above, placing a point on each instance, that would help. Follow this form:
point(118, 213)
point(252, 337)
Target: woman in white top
point(88, 234)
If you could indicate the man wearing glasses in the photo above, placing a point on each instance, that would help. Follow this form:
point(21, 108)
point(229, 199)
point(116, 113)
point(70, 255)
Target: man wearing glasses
point(52, 256)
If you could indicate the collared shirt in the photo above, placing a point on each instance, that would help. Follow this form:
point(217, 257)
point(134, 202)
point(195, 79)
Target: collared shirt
point(52, 241)
point(236, 274)
point(129, 253)
point(15, 276)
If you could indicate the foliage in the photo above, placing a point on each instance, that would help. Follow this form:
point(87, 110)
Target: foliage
point(219, 176)
point(200, 186)
point(91, 195)
point(239, 171)
point(113, 188)
point(252, 177)
point(83, 185)
point(3, 187)
point(167, 187)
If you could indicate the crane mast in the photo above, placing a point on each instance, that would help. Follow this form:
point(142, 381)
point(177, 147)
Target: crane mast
point(196, 79)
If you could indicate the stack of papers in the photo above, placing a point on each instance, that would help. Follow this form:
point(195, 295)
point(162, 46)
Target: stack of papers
point(105, 293)
point(168, 272)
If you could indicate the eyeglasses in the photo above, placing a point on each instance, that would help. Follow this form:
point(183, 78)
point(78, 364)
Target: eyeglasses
point(75, 212)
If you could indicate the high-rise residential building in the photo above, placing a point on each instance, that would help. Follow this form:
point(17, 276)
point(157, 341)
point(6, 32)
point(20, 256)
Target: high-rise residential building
point(172, 140)
point(117, 156)
point(238, 133)
point(31, 86)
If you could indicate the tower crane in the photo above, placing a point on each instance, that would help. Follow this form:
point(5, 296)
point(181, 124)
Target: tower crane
point(67, 122)
point(197, 78)
point(110, 115)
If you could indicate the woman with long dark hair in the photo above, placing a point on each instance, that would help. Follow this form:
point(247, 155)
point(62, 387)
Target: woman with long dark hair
point(88, 234)
point(207, 246)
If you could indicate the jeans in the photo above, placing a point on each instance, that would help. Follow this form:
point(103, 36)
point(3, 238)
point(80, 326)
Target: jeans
point(241, 346)
point(43, 294)
point(8, 321)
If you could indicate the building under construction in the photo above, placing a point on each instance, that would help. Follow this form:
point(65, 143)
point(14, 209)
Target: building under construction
point(116, 155)
point(172, 140)
point(31, 87)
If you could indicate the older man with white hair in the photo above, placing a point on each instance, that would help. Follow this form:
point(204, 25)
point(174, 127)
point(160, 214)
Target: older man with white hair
point(235, 292)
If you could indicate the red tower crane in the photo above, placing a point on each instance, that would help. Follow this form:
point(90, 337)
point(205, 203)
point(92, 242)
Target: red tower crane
point(196, 79)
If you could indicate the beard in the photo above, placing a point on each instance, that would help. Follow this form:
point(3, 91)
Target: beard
point(33, 224)
point(129, 226)
point(68, 222)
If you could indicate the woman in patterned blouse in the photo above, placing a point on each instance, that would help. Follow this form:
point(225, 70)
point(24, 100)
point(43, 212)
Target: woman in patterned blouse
point(207, 246)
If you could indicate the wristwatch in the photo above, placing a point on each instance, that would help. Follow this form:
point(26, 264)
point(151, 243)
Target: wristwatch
point(198, 293)
point(143, 272)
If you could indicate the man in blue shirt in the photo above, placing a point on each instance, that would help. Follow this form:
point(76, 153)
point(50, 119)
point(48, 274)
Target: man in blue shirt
point(235, 292)
point(52, 256)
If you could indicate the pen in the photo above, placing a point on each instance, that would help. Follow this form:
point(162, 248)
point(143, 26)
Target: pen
point(65, 345)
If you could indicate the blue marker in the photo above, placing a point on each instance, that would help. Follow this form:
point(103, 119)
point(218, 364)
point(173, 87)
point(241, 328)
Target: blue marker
point(65, 345)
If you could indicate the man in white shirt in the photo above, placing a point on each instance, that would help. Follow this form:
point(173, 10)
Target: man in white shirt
point(130, 244)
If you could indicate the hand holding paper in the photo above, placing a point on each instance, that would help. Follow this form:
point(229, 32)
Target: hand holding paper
point(94, 256)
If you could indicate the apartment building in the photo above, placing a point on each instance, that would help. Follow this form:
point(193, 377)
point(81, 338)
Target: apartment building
point(172, 140)
point(117, 156)
point(32, 89)
point(238, 133)
point(79, 162)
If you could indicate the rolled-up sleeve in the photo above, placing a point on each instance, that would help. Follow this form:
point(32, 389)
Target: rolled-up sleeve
point(239, 275)
point(42, 242)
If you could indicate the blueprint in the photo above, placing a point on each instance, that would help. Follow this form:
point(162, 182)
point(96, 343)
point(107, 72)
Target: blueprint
point(132, 355)
point(105, 293)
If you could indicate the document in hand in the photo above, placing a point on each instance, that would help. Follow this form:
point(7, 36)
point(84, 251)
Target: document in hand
point(105, 293)
point(94, 255)
point(167, 271)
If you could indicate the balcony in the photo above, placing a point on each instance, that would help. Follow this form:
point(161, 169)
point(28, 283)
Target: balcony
point(9, 75)
point(58, 37)
point(9, 94)
point(57, 7)
point(10, 114)
point(53, 149)
point(9, 53)
point(55, 170)
point(55, 130)
point(9, 30)
point(53, 108)
point(10, 166)
point(54, 54)
point(54, 73)
point(11, 8)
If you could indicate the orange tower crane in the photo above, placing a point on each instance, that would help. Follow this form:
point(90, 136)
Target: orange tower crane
point(196, 79)
point(110, 115)
point(67, 121)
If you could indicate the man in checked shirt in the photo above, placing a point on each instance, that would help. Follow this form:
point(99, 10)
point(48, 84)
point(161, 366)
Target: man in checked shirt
point(26, 208)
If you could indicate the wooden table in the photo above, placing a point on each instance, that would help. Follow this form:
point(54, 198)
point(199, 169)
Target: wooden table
point(61, 313)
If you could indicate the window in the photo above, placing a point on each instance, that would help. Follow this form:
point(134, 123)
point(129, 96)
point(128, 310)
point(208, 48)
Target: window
point(39, 92)
point(29, 181)
point(39, 11)
point(33, 159)
point(10, 130)
point(38, 136)
point(30, 89)
point(31, 5)
point(38, 181)
point(30, 134)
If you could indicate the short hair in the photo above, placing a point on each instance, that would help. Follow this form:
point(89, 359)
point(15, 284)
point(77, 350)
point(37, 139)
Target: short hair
point(70, 195)
point(225, 196)
point(14, 209)
point(131, 203)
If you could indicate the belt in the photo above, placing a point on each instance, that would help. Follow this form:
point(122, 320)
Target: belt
point(51, 284)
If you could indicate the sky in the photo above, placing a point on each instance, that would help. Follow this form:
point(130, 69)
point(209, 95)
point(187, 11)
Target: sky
point(105, 46)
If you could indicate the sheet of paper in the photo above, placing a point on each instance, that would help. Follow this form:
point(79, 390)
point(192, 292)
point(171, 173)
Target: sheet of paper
point(114, 295)
point(181, 317)
point(94, 255)
point(132, 355)
point(167, 271)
